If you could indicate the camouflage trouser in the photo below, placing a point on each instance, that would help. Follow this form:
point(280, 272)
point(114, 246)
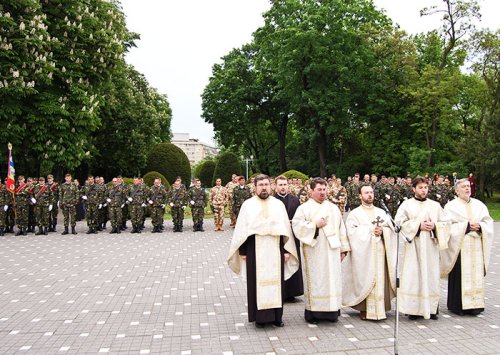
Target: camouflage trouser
point(124, 216)
point(236, 210)
point(3, 217)
point(115, 216)
point(102, 215)
point(157, 213)
point(231, 213)
point(177, 215)
point(10, 218)
point(42, 216)
point(136, 214)
point(69, 213)
point(31, 216)
point(218, 215)
point(91, 215)
point(22, 216)
point(198, 214)
point(53, 214)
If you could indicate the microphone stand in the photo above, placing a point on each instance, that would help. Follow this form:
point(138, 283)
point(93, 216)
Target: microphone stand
point(397, 229)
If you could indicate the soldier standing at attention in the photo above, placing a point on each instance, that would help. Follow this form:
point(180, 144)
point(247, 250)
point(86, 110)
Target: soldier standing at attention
point(116, 197)
point(9, 219)
point(5, 202)
point(198, 201)
point(241, 193)
point(137, 200)
point(69, 195)
point(22, 205)
point(218, 198)
point(177, 202)
point(42, 199)
point(91, 198)
point(54, 187)
point(157, 201)
point(229, 191)
point(353, 193)
point(125, 211)
point(30, 186)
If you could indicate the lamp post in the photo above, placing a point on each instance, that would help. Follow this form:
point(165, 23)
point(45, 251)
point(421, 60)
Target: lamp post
point(246, 161)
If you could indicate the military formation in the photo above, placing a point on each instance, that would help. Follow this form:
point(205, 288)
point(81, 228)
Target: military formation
point(34, 206)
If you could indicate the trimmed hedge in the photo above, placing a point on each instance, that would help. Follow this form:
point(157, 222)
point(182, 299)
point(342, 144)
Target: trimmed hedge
point(150, 177)
point(170, 161)
point(206, 173)
point(290, 174)
point(227, 165)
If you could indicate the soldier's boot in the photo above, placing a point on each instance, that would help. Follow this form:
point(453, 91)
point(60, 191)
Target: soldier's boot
point(113, 230)
point(104, 225)
point(118, 230)
point(24, 231)
point(94, 230)
point(54, 227)
point(9, 229)
point(73, 230)
point(142, 225)
point(29, 229)
point(180, 227)
point(124, 225)
point(138, 229)
point(89, 231)
point(45, 231)
point(195, 227)
point(40, 231)
point(66, 231)
point(99, 227)
point(1, 232)
point(19, 232)
point(134, 229)
point(200, 227)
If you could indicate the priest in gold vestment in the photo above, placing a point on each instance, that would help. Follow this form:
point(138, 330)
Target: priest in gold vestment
point(368, 271)
point(466, 260)
point(424, 231)
point(319, 226)
point(263, 249)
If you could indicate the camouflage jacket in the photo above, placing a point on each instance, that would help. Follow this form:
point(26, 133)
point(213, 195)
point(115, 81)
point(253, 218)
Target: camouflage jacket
point(55, 188)
point(42, 195)
point(198, 196)
point(138, 193)
point(240, 195)
point(5, 196)
point(218, 196)
point(23, 195)
point(177, 197)
point(118, 195)
point(69, 194)
point(158, 195)
point(91, 191)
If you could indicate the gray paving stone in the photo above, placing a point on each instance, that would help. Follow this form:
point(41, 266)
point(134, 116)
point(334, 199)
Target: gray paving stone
point(172, 293)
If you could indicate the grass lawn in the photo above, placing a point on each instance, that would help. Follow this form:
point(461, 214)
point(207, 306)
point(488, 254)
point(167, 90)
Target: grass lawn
point(493, 204)
point(187, 213)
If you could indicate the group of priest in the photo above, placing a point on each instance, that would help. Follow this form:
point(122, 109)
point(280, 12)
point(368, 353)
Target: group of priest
point(286, 249)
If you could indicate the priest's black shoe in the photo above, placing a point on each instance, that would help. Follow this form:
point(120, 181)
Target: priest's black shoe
point(413, 317)
point(434, 316)
point(279, 324)
point(312, 321)
point(259, 325)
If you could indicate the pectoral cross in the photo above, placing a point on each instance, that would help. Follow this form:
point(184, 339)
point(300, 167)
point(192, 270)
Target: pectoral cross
point(378, 221)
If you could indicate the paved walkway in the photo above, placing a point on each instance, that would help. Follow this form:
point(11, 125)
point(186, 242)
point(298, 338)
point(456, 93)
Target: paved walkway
point(173, 293)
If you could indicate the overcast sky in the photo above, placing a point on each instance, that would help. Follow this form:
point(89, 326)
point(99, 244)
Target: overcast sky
point(182, 39)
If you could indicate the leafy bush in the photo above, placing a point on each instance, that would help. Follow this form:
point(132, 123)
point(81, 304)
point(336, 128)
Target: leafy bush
point(227, 165)
point(206, 173)
point(290, 174)
point(170, 161)
point(150, 177)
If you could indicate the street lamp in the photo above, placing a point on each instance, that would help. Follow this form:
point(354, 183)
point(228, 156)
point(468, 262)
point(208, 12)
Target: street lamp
point(246, 161)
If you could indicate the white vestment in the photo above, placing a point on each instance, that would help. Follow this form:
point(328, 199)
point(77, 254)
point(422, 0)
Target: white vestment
point(474, 248)
point(419, 291)
point(371, 258)
point(321, 255)
point(267, 220)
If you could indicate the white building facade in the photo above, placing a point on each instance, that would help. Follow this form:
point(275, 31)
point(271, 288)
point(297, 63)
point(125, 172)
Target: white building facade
point(193, 148)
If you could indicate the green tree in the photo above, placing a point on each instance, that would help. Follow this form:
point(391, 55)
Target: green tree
point(149, 179)
point(228, 164)
point(170, 161)
point(206, 173)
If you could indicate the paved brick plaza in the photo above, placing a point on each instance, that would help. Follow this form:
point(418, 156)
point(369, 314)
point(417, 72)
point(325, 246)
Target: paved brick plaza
point(173, 293)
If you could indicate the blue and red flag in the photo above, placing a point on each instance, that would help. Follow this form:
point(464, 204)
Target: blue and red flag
point(11, 173)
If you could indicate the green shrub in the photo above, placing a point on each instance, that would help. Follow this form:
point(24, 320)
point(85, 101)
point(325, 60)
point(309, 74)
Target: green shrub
point(126, 180)
point(227, 165)
point(150, 177)
point(290, 174)
point(206, 173)
point(170, 161)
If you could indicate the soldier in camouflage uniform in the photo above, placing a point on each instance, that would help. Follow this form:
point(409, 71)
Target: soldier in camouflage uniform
point(177, 202)
point(405, 190)
point(116, 197)
point(23, 201)
point(137, 201)
point(304, 192)
point(353, 193)
point(9, 219)
point(5, 202)
point(218, 198)
point(125, 210)
point(251, 186)
point(229, 194)
point(54, 187)
point(42, 199)
point(69, 196)
point(90, 195)
point(157, 201)
point(31, 208)
point(339, 194)
point(197, 201)
point(241, 193)
point(440, 192)
point(102, 210)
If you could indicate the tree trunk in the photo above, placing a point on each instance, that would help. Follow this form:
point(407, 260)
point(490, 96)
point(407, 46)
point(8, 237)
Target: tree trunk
point(322, 150)
point(282, 141)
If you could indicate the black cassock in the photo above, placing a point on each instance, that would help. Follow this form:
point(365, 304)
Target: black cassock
point(264, 315)
point(294, 286)
point(455, 288)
